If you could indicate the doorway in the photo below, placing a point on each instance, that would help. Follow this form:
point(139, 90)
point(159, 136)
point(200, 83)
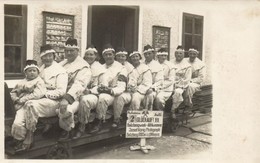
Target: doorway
point(117, 25)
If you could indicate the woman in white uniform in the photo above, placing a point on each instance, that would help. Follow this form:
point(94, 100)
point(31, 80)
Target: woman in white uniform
point(88, 101)
point(55, 79)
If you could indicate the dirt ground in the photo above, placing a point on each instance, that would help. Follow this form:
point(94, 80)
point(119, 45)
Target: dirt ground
point(187, 143)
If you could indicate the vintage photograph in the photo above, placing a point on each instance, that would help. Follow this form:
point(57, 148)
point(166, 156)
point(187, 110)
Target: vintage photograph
point(119, 80)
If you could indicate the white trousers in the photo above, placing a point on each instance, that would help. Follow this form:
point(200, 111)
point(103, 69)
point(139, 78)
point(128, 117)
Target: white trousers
point(26, 118)
point(66, 119)
point(137, 99)
point(160, 99)
point(86, 104)
point(188, 94)
point(177, 98)
point(104, 100)
point(119, 103)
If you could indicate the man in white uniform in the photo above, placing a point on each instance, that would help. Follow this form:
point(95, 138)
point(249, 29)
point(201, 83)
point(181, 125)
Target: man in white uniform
point(121, 57)
point(139, 81)
point(115, 79)
point(165, 92)
point(198, 73)
point(182, 78)
point(79, 75)
point(157, 73)
point(89, 99)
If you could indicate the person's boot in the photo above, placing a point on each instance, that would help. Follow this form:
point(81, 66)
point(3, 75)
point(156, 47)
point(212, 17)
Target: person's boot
point(173, 113)
point(88, 128)
point(97, 126)
point(80, 131)
point(17, 144)
point(115, 124)
point(187, 109)
point(27, 143)
point(23, 147)
point(47, 128)
point(65, 135)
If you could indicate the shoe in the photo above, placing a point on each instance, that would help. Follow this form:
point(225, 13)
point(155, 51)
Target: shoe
point(88, 128)
point(47, 128)
point(173, 116)
point(174, 123)
point(23, 147)
point(77, 135)
point(115, 125)
point(81, 127)
point(17, 144)
point(97, 127)
point(65, 135)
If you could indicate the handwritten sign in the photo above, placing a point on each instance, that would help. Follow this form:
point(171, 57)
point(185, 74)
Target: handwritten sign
point(57, 29)
point(144, 124)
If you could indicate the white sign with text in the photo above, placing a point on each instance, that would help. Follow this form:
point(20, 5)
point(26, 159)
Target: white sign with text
point(144, 124)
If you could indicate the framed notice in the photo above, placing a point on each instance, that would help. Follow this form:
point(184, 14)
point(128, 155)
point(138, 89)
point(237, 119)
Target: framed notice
point(57, 28)
point(144, 124)
point(161, 38)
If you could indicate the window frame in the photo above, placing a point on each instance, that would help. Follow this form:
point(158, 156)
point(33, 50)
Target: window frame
point(23, 43)
point(193, 34)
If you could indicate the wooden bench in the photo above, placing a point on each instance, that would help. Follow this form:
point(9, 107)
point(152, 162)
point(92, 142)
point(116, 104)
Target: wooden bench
point(202, 103)
point(48, 144)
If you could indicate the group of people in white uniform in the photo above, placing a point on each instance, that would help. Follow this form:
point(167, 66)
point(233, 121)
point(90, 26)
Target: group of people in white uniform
point(81, 85)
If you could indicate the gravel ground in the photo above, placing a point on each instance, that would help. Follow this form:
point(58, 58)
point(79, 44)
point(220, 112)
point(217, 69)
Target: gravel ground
point(167, 147)
point(184, 144)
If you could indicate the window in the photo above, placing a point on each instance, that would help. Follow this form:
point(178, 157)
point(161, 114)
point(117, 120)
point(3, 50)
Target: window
point(15, 21)
point(192, 32)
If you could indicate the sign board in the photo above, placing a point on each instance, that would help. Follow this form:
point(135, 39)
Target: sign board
point(144, 124)
point(57, 28)
point(161, 38)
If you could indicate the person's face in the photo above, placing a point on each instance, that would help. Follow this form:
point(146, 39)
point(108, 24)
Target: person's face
point(192, 55)
point(149, 56)
point(162, 58)
point(121, 58)
point(47, 59)
point(135, 59)
point(31, 73)
point(179, 55)
point(90, 56)
point(71, 54)
point(109, 57)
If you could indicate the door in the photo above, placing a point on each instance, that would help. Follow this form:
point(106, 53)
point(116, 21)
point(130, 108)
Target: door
point(117, 25)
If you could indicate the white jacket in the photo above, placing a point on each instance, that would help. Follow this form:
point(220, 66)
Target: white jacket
point(140, 78)
point(55, 79)
point(111, 77)
point(97, 71)
point(169, 76)
point(183, 73)
point(198, 70)
point(79, 75)
point(157, 73)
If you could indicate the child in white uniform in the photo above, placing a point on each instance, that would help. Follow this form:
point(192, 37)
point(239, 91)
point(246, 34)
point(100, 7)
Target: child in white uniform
point(30, 88)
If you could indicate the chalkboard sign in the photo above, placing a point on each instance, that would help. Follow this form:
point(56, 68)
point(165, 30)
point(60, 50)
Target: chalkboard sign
point(161, 38)
point(57, 28)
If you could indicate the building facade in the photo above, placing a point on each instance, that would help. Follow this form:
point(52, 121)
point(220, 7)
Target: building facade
point(27, 26)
